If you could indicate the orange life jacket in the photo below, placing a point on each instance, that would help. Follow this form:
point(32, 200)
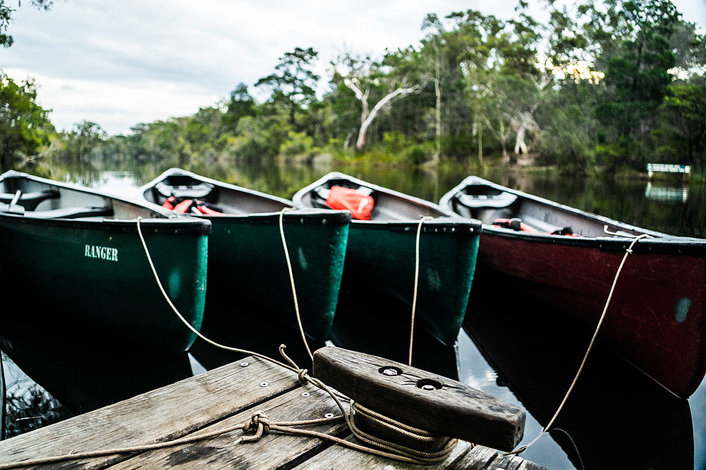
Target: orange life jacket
point(360, 205)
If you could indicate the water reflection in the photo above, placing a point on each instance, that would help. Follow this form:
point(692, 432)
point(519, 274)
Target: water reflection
point(613, 411)
point(515, 348)
point(84, 376)
point(26, 405)
point(679, 195)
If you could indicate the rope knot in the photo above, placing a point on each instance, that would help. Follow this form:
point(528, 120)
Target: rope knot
point(303, 376)
point(259, 425)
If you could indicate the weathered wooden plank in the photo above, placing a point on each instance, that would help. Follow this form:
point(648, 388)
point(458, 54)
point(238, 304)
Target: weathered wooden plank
point(439, 405)
point(166, 413)
point(485, 458)
point(339, 457)
point(272, 451)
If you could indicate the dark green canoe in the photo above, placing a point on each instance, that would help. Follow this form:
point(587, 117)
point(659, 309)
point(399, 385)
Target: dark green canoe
point(382, 251)
point(247, 269)
point(71, 261)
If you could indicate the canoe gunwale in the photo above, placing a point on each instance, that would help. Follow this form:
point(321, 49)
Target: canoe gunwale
point(665, 245)
point(178, 172)
point(439, 225)
point(657, 242)
point(51, 184)
point(171, 225)
point(293, 217)
point(444, 216)
point(446, 203)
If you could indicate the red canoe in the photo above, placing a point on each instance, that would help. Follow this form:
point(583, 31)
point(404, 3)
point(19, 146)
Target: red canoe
point(657, 316)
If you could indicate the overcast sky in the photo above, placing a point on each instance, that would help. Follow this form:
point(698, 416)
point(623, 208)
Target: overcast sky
point(120, 63)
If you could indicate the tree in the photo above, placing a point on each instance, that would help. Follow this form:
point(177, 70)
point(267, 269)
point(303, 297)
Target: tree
point(293, 84)
point(684, 115)
point(501, 75)
point(633, 47)
point(434, 40)
point(360, 76)
point(24, 126)
point(85, 136)
point(239, 105)
point(7, 40)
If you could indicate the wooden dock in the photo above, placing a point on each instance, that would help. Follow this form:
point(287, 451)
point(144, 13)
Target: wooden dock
point(215, 400)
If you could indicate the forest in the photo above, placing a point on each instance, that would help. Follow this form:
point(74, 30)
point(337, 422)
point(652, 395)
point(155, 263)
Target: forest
point(590, 88)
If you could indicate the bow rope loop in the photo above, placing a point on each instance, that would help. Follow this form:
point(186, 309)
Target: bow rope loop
point(628, 252)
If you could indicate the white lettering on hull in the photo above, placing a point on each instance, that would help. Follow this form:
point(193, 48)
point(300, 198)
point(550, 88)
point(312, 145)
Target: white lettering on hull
point(101, 252)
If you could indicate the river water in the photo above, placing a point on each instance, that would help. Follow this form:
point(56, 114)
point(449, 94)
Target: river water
point(513, 345)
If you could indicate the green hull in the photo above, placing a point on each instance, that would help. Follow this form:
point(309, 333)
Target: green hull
point(87, 278)
point(51, 268)
point(247, 269)
point(384, 255)
point(381, 254)
point(248, 279)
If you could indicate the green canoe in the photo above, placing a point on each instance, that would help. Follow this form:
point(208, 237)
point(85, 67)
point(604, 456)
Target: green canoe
point(382, 251)
point(71, 262)
point(247, 268)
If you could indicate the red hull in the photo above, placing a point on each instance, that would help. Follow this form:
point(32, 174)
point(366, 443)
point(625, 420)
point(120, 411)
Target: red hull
point(657, 317)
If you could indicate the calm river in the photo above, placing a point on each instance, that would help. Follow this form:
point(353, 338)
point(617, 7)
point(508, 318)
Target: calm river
point(512, 346)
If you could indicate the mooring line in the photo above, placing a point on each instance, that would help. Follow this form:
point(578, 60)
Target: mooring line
point(388, 450)
point(291, 281)
point(416, 286)
point(189, 325)
point(628, 252)
point(259, 422)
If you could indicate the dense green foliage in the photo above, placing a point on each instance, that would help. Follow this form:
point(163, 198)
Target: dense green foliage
point(24, 126)
point(595, 87)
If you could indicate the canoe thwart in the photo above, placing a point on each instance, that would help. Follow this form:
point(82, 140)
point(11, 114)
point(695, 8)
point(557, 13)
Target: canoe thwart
point(72, 212)
point(436, 404)
point(29, 200)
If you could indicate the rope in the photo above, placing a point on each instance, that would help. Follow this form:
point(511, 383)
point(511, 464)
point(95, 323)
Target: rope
point(628, 252)
point(291, 280)
point(259, 422)
point(420, 436)
point(416, 286)
point(183, 320)
point(3, 399)
point(387, 449)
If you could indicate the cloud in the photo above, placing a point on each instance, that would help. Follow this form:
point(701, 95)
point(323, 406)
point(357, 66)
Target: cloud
point(121, 63)
point(115, 106)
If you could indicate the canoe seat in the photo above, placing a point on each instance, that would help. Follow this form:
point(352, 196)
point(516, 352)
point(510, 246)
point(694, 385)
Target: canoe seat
point(30, 200)
point(532, 225)
point(184, 191)
point(71, 212)
point(494, 201)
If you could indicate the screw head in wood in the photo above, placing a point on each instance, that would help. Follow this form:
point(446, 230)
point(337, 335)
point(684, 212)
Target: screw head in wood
point(390, 371)
point(429, 384)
